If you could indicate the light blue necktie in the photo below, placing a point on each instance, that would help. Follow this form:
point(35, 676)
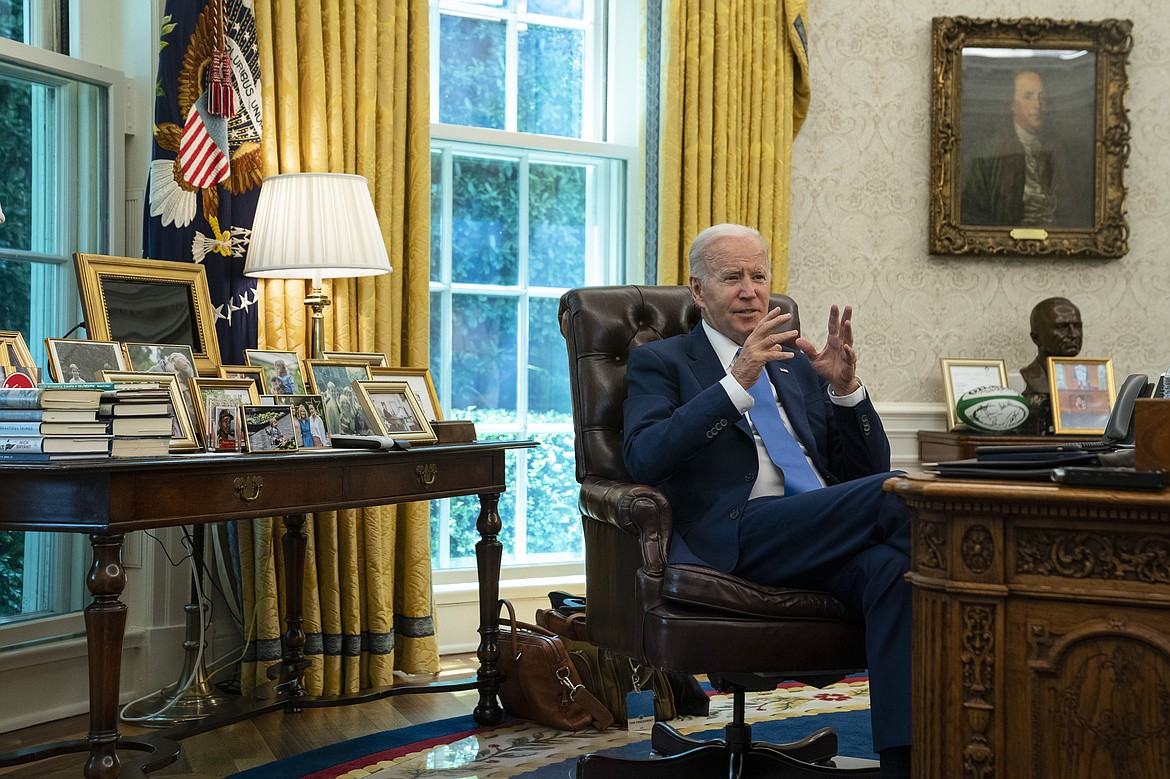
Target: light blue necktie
point(782, 447)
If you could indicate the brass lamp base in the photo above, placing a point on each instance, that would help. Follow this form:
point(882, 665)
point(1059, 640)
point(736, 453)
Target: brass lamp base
point(195, 700)
point(317, 300)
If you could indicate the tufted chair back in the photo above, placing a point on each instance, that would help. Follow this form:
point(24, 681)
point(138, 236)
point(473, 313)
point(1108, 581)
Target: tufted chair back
point(683, 618)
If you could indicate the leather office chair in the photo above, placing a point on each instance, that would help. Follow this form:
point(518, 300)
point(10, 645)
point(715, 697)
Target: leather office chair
point(683, 618)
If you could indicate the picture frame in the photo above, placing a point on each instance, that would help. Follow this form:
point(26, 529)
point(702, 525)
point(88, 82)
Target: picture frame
point(1066, 81)
point(72, 360)
point(374, 359)
point(268, 428)
point(14, 352)
point(1082, 393)
point(183, 435)
point(963, 374)
point(210, 395)
point(284, 368)
point(176, 359)
point(314, 406)
point(227, 432)
point(333, 381)
point(420, 382)
point(149, 301)
point(392, 409)
point(253, 372)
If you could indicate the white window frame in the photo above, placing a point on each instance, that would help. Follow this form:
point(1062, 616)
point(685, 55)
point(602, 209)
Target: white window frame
point(58, 556)
point(622, 125)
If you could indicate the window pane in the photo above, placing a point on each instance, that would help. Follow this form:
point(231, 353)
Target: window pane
point(16, 176)
point(471, 71)
point(483, 358)
point(485, 233)
point(436, 216)
point(11, 572)
point(556, 225)
point(16, 302)
point(463, 513)
point(553, 519)
point(548, 363)
point(549, 96)
point(566, 9)
point(12, 20)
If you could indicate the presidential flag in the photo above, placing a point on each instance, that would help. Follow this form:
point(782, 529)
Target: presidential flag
point(205, 169)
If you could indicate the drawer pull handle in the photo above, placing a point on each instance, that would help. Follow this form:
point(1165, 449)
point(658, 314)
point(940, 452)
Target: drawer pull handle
point(248, 487)
point(426, 474)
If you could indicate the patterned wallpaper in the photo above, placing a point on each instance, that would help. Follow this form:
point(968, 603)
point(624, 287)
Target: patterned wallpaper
point(860, 198)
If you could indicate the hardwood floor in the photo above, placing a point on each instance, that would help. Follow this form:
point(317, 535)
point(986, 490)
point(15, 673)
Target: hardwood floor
point(263, 739)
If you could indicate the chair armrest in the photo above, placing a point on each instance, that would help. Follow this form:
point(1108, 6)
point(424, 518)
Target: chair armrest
point(638, 509)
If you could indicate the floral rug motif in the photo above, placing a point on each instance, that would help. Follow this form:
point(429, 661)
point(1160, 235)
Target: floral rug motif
point(517, 749)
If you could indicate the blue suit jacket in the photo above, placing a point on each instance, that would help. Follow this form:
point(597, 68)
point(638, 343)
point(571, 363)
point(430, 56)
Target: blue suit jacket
point(684, 436)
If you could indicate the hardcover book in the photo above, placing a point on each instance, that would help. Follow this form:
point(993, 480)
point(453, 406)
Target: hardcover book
point(33, 427)
point(50, 444)
point(48, 415)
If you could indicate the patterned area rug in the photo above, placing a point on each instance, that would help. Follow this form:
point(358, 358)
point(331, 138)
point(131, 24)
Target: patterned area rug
point(457, 749)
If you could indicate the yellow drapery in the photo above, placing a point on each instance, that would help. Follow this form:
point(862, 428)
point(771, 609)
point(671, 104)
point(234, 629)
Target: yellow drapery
point(345, 90)
point(735, 92)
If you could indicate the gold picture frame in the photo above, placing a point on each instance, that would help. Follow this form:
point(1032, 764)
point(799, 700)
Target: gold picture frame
point(183, 435)
point(392, 409)
point(420, 381)
point(961, 375)
point(253, 372)
point(14, 351)
point(149, 301)
point(374, 359)
point(208, 394)
point(1082, 393)
point(1065, 80)
point(72, 360)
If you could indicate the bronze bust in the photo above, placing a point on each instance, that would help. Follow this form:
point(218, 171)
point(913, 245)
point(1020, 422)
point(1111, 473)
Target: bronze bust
point(1057, 332)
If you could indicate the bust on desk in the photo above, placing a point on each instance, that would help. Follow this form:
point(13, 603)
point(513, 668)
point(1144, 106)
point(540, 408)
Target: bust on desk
point(1057, 331)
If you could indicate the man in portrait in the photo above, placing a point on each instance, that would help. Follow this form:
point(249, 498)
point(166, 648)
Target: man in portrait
point(1021, 173)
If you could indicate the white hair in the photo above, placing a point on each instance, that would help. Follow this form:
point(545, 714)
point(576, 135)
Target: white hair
point(700, 254)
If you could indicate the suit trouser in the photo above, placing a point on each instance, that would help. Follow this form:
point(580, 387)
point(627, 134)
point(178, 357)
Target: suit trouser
point(853, 541)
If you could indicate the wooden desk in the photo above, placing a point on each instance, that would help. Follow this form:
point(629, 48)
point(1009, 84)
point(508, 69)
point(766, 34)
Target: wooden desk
point(1041, 630)
point(938, 446)
point(110, 498)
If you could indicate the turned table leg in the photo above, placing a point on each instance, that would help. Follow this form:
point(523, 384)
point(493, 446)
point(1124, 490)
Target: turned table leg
point(293, 662)
point(105, 626)
point(488, 556)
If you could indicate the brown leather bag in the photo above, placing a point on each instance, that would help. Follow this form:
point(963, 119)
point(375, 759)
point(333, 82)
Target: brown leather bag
point(538, 681)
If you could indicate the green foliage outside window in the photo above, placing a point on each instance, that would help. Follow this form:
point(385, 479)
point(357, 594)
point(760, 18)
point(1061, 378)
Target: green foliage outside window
point(11, 572)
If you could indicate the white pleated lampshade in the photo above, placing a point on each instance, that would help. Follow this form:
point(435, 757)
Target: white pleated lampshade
point(315, 226)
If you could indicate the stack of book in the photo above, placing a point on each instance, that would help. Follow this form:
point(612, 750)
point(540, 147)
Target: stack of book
point(53, 422)
point(140, 418)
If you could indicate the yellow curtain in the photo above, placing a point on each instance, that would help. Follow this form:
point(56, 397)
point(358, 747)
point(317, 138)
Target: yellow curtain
point(345, 89)
point(735, 92)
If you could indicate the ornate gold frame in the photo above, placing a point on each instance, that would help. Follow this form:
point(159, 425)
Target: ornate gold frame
point(366, 390)
point(94, 271)
point(1063, 394)
point(1109, 41)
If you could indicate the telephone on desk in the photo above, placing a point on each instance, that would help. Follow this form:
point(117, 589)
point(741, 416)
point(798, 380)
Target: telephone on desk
point(1107, 462)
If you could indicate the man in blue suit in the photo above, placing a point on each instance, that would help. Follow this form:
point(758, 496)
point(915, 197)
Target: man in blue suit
point(821, 520)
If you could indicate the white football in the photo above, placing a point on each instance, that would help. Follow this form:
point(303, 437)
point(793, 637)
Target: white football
point(992, 409)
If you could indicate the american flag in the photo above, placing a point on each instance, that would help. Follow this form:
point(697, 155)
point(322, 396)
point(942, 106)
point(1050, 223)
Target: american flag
point(203, 150)
point(205, 168)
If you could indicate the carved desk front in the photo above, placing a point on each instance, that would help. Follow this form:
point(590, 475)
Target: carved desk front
point(1041, 630)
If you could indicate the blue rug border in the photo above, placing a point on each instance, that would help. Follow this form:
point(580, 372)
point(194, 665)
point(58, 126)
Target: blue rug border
point(351, 749)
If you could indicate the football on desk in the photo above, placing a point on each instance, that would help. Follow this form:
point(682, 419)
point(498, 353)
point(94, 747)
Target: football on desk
point(992, 409)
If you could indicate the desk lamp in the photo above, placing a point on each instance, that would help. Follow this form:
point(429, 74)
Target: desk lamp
point(315, 226)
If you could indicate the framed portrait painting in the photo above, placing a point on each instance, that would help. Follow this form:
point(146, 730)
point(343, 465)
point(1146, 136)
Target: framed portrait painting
point(149, 301)
point(1082, 394)
point(962, 375)
point(1029, 137)
point(75, 361)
